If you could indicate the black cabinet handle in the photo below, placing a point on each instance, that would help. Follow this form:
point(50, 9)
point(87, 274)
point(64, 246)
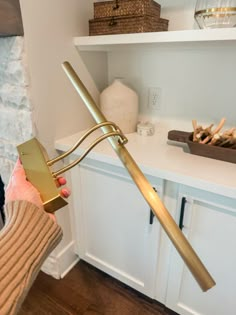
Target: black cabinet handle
point(182, 209)
point(152, 215)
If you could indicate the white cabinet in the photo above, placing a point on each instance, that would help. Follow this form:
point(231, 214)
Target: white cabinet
point(113, 224)
point(209, 223)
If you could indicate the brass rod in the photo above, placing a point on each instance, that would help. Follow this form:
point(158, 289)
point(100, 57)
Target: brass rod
point(77, 161)
point(62, 156)
point(191, 259)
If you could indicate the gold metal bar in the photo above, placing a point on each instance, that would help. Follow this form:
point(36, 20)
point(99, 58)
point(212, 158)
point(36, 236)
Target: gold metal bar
point(191, 259)
point(62, 156)
point(98, 140)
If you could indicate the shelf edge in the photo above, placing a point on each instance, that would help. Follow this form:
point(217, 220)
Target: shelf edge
point(106, 42)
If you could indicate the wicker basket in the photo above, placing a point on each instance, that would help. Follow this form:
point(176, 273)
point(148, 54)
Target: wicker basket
point(127, 24)
point(126, 7)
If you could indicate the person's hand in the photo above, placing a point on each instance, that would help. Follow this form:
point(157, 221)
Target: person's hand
point(21, 189)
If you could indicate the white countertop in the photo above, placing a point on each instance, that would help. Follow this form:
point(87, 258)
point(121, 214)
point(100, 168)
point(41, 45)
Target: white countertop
point(158, 157)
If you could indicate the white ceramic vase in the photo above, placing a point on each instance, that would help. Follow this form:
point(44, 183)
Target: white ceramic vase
point(119, 104)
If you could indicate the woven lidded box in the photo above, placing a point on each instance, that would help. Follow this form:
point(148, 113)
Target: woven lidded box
point(126, 7)
point(127, 24)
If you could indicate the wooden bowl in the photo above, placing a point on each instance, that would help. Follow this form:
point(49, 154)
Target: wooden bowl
point(209, 151)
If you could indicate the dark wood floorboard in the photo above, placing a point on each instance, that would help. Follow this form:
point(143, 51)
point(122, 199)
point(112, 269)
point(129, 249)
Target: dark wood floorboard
point(87, 291)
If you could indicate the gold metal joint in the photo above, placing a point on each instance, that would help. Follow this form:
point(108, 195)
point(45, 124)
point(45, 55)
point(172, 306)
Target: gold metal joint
point(122, 138)
point(113, 132)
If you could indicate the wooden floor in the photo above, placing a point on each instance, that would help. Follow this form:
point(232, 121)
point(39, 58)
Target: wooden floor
point(87, 291)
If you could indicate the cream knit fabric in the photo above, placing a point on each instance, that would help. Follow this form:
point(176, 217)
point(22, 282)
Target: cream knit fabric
point(26, 240)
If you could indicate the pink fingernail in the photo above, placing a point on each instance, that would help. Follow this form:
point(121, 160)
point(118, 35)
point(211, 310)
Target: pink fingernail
point(62, 180)
point(65, 192)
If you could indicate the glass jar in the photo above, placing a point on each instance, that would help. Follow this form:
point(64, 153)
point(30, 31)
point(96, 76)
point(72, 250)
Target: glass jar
point(215, 13)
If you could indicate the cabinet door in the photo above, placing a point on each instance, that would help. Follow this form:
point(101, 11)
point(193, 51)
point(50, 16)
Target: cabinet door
point(210, 225)
point(113, 223)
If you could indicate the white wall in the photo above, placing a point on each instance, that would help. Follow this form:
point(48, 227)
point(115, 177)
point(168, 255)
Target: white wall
point(49, 30)
point(196, 82)
point(49, 27)
point(180, 13)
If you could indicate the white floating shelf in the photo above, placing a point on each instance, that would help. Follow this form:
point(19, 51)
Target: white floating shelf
point(111, 42)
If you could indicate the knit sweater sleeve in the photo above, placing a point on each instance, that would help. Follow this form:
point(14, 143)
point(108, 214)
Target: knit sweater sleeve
point(26, 240)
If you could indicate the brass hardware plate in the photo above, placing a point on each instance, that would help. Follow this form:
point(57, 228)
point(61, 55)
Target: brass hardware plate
point(34, 160)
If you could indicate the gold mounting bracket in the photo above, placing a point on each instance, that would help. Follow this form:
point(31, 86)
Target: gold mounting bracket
point(37, 164)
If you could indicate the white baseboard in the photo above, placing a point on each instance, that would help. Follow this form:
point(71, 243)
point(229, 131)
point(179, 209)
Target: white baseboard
point(58, 266)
